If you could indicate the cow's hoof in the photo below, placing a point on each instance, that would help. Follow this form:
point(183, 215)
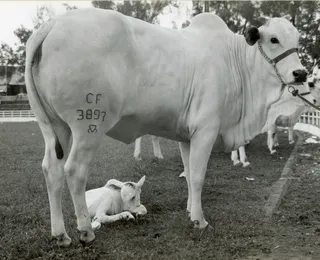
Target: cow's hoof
point(273, 151)
point(198, 232)
point(236, 163)
point(86, 237)
point(182, 175)
point(276, 145)
point(137, 158)
point(127, 216)
point(63, 240)
point(159, 156)
point(245, 164)
point(291, 142)
point(95, 225)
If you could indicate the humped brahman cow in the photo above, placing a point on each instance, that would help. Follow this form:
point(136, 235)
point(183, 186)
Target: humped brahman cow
point(93, 72)
point(115, 201)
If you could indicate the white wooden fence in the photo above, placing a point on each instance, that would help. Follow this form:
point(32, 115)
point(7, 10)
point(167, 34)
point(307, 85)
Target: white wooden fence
point(28, 115)
point(17, 116)
point(311, 118)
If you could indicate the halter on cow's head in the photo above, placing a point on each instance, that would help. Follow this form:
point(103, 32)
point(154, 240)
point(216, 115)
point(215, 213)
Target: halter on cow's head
point(278, 42)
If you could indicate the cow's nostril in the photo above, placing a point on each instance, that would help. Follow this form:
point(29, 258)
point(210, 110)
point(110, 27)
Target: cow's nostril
point(300, 75)
point(314, 101)
point(311, 84)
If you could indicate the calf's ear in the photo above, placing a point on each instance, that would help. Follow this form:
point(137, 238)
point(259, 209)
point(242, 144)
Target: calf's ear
point(252, 35)
point(114, 184)
point(141, 182)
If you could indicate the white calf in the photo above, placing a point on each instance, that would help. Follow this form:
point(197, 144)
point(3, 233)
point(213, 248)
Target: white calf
point(114, 201)
point(156, 147)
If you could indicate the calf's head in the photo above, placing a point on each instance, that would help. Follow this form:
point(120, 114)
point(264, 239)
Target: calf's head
point(278, 42)
point(130, 194)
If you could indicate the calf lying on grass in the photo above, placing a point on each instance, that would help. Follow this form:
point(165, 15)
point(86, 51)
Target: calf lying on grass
point(115, 201)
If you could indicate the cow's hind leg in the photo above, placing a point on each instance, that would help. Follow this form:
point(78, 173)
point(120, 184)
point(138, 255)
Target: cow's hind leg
point(76, 168)
point(56, 151)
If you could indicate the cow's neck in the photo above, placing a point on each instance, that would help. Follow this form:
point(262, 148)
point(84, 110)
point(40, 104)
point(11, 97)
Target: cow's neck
point(260, 88)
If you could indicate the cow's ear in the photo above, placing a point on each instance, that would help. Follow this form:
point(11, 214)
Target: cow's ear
point(252, 35)
point(141, 182)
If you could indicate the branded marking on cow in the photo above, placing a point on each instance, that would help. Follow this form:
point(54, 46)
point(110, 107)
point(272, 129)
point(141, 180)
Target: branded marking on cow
point(93, 129)
point(91, 114)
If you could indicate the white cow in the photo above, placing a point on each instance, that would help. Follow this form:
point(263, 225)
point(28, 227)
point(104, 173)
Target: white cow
point(156, 147)
point(114, 201)
point(93, 72)
point(290, 106)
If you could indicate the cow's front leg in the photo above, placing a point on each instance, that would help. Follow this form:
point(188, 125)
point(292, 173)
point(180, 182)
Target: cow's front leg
point(185, 154)
point(234, 157)
point(290, 135)
point(103, 218)
point(200, 150)
point(156, 146)
point(243, 156)
point(275, 140)
point(137, 149)
point(270, 141)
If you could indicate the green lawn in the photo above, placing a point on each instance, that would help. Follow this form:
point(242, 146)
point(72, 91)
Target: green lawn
point(232, 205)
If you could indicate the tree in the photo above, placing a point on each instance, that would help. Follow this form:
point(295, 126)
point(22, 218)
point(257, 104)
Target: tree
point(69, 7)
point(143, 10)
point(8, 58)
point(303, 14)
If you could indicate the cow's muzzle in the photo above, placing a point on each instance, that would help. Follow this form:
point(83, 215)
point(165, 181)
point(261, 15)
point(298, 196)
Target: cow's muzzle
point(300, 76)
point(311, 84)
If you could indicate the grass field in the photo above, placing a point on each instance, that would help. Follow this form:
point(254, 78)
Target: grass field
point(232, 204)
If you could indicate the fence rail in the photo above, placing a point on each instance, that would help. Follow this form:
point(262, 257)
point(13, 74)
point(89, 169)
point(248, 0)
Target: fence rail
point(17, 116)
point(28, 115)
point(310, 118)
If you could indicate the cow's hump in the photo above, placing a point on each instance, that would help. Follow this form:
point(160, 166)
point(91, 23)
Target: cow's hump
point(210, 22)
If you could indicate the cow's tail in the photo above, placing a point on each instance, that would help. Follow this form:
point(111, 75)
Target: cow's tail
point(33, 56)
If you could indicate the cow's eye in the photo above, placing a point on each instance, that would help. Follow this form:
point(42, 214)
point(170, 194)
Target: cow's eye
point(274, 40)
point(133, 198)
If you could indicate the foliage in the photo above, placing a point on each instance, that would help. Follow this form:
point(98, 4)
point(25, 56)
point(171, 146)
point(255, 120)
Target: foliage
point(303, 14)
point(16, 56)
point(143, 10)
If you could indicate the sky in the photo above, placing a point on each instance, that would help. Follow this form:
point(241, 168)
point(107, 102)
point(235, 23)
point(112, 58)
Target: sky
point(16, 13)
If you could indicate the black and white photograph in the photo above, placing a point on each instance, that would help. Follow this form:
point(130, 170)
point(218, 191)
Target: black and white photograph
point(160, 129)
